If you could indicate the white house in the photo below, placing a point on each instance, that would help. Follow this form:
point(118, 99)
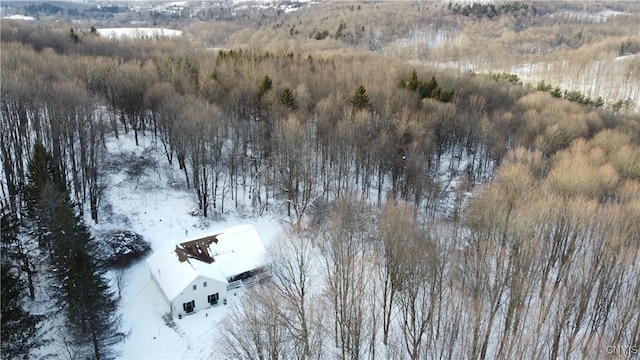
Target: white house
point(196, 274)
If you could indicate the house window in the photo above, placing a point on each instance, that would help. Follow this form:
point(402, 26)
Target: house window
point(213, 298)
point(195, 287)
point(204, 284)
point(188, 306)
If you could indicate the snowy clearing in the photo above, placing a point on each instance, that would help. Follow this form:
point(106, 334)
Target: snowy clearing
point(138, 33)
point(19, 17)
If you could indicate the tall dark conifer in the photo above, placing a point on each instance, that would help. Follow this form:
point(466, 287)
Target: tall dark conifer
point(265, 85)
point(38, 174)
point(25, 232)
point(426, 88)
point(287, 99)
point(90, 305)
point(360, 99)
point(80, 289)
point(19, 328)
point(19, 249)
point(265, 114)
point(413, 83)
point(42, 194)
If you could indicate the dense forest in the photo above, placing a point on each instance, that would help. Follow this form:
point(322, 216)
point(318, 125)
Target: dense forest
point(448, 214)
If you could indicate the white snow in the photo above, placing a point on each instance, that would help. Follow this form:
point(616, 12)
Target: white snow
point(19, 17)
point(138, 33)
point(239, 249)
point(600, 16)
point(627, 57)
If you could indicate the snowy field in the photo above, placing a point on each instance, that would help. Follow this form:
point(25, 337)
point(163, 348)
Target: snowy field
point(157, 205)
point(139, 33)
point(19, 17)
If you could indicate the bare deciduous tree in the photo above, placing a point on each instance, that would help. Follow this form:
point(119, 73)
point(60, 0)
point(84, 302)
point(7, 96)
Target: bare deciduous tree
point(296, 266)
point(344, 242)
point(297, 168)
point(255, 329)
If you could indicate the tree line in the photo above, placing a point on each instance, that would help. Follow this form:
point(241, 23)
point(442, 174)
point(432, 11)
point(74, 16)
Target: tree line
point(287, 127)
point(328, 141)
point(541, 263)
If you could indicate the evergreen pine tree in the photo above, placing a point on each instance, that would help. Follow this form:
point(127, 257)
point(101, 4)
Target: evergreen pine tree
point(287, 99)
point(446, 95)
point(598, 103)
point(426, 88)
point(24, 235)
point(80, 289)
point(42, 194)
point(9, 226)
point(19, 249)
point(19, 328)
point(412, 82)
point(265, 85)
point(360, 99)
point(91, 306)
point(264, 113)
point(38, 174)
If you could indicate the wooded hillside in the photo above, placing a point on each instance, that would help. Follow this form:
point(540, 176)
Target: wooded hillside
point(448, 215)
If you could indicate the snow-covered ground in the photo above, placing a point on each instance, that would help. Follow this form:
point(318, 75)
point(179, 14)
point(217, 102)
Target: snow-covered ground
point(600, 16)
point(157, 205)
point(19, 17)
point(140, 33)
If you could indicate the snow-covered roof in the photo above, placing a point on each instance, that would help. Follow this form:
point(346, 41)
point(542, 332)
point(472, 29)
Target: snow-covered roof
point(173, 276)
point(239, 249)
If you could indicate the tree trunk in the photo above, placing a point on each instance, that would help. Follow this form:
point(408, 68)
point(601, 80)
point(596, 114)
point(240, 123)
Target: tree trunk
point(96, 346)
point(32, 290)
